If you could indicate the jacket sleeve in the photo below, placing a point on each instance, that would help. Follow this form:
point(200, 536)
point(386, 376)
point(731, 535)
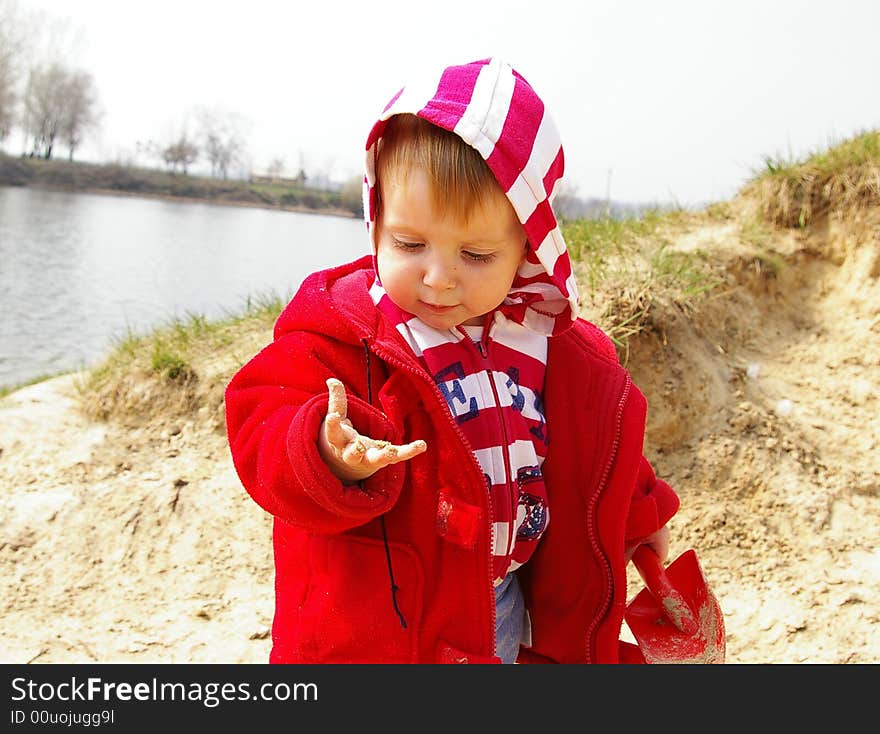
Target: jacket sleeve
point(653, 503)
point(275, 405)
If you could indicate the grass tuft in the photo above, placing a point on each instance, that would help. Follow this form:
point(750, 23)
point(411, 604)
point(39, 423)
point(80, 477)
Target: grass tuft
point(181, 367)
point(836, 181)
point(629, 272)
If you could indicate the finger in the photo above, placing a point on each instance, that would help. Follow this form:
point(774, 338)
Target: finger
point(409, 450)
point(354, 453)
point(385, 453)
point(337, 401)
point(338, 431)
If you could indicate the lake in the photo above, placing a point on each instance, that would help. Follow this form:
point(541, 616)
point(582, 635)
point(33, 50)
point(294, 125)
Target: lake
point(78, 271)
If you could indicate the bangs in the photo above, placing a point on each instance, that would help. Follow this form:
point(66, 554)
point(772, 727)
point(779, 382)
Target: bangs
point(459, 177)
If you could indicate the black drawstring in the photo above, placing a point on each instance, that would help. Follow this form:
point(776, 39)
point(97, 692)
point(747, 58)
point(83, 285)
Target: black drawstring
point(394, 587)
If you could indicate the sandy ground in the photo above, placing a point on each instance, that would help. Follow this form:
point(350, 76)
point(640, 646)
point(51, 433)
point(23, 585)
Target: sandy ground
point(126, 544)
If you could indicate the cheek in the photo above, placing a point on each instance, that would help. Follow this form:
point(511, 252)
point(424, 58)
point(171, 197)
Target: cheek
point(392, 270)
point(484, 289)
point(382, 259)
point(502, 282)
point(386, 277)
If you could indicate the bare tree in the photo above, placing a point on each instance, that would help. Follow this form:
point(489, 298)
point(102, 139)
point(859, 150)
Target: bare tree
point(59, 105)
point(181, 152)
point(44, 107)
point(31, 40)
point(12, 46)
point(8, 97)
point(220, 133)
point(80, 110)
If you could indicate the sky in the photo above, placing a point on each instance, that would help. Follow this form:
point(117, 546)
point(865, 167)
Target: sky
point(672, 102)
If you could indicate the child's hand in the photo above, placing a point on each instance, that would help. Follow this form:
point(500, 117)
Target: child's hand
point(658, 541)
point(349, 455)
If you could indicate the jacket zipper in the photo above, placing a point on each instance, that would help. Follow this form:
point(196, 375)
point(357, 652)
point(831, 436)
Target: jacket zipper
point(422, 375)
point(615, 444)
point(508, 480)
point(505, 452)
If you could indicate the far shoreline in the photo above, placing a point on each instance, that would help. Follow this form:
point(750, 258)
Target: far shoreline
point(298, 209)
point(280, 194)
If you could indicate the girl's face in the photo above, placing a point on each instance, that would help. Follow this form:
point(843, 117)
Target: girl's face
point(434, 265)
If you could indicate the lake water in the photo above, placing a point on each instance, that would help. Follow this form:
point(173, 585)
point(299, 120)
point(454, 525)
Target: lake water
point(80, 270)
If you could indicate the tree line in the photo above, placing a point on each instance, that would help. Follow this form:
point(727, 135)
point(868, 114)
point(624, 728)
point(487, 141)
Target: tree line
point(55, 104)
point(51, 102)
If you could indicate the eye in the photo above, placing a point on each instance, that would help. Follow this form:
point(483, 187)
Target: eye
point(404, 245)
point(479, 257)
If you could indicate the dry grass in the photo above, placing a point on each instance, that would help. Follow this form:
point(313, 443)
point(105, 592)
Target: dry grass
point(630, 275)
point(179, 370)
point(835, 182)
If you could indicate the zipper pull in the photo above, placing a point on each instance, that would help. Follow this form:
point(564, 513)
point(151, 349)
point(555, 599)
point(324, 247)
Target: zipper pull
point(478, 343)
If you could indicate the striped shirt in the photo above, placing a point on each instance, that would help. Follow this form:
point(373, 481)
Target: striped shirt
point(492, 381)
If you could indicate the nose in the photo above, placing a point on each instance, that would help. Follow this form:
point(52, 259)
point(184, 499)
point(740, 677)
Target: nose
point(439, 275)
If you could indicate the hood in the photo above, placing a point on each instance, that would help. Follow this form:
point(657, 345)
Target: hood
point(495, 110)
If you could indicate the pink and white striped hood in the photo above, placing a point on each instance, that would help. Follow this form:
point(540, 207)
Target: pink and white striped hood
point(495, 110)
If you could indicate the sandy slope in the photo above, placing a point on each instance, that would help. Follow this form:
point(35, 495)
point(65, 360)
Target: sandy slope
point(139, 545)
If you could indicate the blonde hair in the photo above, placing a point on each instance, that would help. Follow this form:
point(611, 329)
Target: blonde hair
point(460, 178)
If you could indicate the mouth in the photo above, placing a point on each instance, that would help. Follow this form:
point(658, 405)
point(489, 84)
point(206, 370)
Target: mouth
point(434, 308)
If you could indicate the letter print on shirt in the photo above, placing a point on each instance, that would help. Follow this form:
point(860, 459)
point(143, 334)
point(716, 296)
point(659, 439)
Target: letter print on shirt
point(453, 392)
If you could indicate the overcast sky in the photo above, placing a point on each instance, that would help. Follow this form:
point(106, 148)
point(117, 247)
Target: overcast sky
point(656, 100)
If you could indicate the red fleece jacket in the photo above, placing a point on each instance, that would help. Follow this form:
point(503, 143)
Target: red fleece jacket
point(422, 526)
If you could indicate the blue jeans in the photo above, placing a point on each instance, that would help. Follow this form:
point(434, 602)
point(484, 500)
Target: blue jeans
point(509, 618)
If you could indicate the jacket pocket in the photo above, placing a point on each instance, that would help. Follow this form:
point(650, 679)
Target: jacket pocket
point(457, 521)
point(348, 614)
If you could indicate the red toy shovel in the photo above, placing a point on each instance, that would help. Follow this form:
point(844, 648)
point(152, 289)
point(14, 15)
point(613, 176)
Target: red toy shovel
point(676, 619)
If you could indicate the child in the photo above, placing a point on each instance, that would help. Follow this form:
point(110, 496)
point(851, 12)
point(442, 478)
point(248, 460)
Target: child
point(453, 458)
